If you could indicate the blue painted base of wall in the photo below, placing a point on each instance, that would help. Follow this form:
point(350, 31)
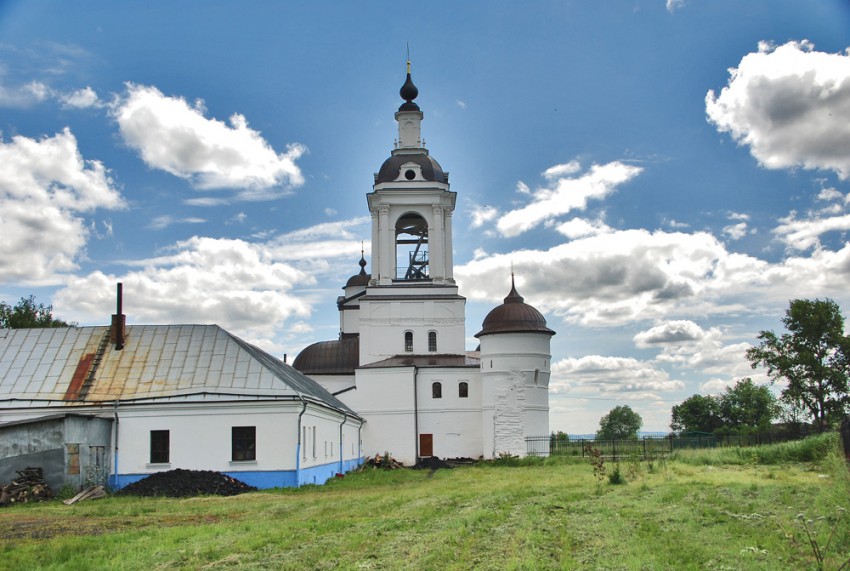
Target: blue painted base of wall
point(264, 480)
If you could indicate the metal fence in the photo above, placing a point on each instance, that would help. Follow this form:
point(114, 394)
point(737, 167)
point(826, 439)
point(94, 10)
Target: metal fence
point(648, 446)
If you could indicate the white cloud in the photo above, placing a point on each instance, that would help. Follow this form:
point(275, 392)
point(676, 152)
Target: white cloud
point(45, 186)
point(241, 286)
point(829, 194)
point(23, 95)
point(581, 228)
point(461, 104)
point(562, 170)
point(174, 136)
point(566, 194)
point(81, 99)
point(790, 105)
point(481, 215)
point(736, 231)
point(669, 332)
point(166, 220)
point(623, 377)
point(803, 234)
point(673, 5)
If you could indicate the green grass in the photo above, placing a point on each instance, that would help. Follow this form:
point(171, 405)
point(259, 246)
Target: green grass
point(536, 514)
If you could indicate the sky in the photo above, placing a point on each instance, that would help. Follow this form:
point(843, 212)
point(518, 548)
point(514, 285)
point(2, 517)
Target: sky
point(663, 177)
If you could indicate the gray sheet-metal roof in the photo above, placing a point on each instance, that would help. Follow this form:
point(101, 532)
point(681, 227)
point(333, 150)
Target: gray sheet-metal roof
point(427, 361)
point(157, 361)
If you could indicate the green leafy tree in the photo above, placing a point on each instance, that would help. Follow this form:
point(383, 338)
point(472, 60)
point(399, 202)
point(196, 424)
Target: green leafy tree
point(748, 405)
point(26, 315)
point(697, 413)
point(622, 422)
point(813, 357)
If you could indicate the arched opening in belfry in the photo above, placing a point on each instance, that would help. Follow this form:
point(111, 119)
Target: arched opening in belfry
point(411, 246)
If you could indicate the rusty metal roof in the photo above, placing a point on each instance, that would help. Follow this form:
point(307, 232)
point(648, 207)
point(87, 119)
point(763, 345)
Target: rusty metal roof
point(79, 365)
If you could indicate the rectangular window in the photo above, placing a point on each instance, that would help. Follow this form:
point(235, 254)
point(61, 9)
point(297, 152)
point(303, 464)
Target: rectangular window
point(244, 443)
point(304, 443)
point(463, 390)
point(314, 442)
point(160, 447)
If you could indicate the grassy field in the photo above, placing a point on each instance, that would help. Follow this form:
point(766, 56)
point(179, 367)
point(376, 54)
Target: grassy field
point(694, 511)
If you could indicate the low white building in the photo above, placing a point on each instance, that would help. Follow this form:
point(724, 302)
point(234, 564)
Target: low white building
point(400, 359)
point(164, 397)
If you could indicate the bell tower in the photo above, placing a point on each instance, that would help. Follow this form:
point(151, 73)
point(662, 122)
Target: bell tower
point(411, 303)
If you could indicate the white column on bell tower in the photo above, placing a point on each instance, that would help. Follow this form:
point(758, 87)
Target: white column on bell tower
point(435, 244)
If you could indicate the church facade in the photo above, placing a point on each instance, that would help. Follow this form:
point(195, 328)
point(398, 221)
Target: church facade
point(400, 360)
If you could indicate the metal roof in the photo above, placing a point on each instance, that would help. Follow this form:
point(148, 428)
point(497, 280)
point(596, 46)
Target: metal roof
point(79, 366)
point(339, 357)
point(427, 361)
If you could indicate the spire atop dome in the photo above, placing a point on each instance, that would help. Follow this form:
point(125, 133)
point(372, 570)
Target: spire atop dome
point(362, 261)
point(408, 92)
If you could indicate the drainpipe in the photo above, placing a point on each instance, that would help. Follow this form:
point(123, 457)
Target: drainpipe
point(415, 413)
point(344, 419)
point(115, 448)
point(300, 444)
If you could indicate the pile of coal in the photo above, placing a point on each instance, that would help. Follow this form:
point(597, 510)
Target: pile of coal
point(431, 463)
point(186, 483)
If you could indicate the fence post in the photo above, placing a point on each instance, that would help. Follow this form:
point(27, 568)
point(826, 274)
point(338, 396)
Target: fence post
point(582, 447)
point(644, 448)
point(614, 447)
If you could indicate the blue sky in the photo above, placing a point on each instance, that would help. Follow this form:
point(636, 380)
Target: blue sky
point(663, 176)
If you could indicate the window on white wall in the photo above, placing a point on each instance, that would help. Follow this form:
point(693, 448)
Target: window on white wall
point(408, 341)
point(314, 442)
point(304, 443)
point(437, 390)
point(432, 341)
point(463, 389)
point(244, 440)
point(160, 447)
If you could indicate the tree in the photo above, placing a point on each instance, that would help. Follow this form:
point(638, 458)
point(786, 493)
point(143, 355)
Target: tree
point(748, 405)
point(697, 413)
point(622, 422)
point(26, 315)
point(814, 358)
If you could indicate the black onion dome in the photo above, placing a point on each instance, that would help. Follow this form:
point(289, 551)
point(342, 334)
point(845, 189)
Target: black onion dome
point(408, 92)
point(431, 169)
point(338, 357)
point(514, 316)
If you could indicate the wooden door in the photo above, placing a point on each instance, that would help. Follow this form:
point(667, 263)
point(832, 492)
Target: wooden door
point(426, 445)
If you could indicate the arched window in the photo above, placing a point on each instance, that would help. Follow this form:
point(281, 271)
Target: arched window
point(432, 341)
point(536, 377)
point(408, 341)
point(437, 390)
point(411, 231)
point(463, 389)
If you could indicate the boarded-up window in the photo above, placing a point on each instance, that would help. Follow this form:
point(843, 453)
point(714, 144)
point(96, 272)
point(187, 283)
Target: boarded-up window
point(244, 443)
point(160, 447)
point(73, 459)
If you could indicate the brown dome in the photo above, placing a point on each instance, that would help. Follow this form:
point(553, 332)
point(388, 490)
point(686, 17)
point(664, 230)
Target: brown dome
point(514, 316)
point(338, 357)
point(361, 279)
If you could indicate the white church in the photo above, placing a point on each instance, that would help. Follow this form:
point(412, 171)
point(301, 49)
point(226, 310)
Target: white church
point(400, 359)
point(115, 403)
